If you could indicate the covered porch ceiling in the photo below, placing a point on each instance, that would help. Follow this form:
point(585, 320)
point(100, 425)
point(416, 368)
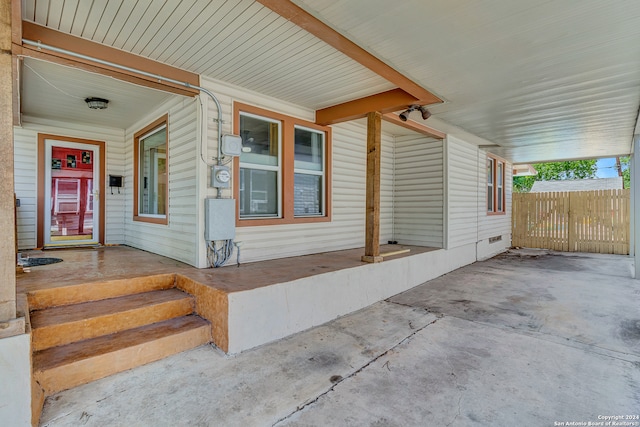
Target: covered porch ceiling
point(539, 81)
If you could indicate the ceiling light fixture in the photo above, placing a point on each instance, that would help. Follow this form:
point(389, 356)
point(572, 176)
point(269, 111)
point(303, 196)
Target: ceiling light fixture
point(97, 103)
point(414, 107)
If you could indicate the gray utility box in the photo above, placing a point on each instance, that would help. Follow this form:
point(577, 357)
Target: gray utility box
point(219, 219)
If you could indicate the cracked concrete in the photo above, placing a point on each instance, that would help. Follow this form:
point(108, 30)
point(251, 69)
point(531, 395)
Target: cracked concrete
point(341, 379)
point(526, 340)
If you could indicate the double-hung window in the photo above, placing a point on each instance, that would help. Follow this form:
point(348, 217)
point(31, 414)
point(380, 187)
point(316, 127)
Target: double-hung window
point(309, 175)
point(283, 173)
point(260, 168)
point(495, 185)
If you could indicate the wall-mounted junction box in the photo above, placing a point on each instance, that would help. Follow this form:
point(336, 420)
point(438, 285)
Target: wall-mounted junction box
point(231, 145)
point(219, 219)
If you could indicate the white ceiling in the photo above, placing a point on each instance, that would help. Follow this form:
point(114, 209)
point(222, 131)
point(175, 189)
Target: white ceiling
point(56, 92)
point(544, 80)
point(237, 41)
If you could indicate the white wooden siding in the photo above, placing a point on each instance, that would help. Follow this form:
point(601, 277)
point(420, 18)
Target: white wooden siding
point(178, 238)
point(419, 192)
point(347, 227)
point(462, 197)
point(25, 167)
point(387, 173)
point(25, 157)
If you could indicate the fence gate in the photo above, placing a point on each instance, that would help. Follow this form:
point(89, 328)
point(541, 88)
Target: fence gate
point(577, 221)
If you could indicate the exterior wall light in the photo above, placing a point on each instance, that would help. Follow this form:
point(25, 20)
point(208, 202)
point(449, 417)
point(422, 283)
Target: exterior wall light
point(423, 110)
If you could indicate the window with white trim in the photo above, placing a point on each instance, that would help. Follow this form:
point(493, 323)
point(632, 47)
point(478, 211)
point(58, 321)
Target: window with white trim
point(283, 175)
point(309, 177)
point(260, 168)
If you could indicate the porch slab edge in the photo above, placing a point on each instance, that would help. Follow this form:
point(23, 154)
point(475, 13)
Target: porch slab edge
point(273, 312)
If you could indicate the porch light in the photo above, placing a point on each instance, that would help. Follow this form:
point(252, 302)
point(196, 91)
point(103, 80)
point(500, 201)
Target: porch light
point(423, 110)
point(97, 103)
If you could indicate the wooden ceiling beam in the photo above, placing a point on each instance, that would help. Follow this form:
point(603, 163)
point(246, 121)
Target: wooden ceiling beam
point(34, 32)
point(313, 25)
point(385, 102)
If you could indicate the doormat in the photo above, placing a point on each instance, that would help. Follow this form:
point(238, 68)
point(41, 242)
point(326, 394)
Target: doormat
point(35, 262)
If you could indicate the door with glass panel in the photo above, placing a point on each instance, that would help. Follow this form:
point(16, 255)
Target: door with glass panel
point(71, 202)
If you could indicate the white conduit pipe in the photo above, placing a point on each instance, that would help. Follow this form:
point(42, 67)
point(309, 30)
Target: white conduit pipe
point(41, 46)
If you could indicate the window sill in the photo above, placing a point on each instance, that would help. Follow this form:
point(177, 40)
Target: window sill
point(151, 219)
point(240, 222)
point(495, 213)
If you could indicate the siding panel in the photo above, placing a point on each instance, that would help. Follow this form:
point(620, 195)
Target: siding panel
point(178, 239)
point(346, 229)
point(418, 191)
point(462, 166)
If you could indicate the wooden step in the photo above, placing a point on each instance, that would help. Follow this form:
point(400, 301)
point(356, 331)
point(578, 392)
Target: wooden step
point(93, 291)
point(60, 368)
point(68, 323)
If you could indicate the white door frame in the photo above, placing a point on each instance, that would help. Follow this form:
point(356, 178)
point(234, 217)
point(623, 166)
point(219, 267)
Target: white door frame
point(45, 142)
point(95, 158)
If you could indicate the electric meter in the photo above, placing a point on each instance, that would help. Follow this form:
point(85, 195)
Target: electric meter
point(223, 176)
point(220, 177)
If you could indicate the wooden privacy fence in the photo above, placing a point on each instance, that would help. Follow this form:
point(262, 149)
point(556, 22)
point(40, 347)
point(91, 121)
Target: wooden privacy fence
point(577, 221)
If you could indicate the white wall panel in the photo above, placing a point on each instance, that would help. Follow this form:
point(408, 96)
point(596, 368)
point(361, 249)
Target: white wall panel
point(418, 191)
point(25, 157)
point(386, 187)
point(178, 238)
point(462, 197)
point(25, 175)
point(346, 229)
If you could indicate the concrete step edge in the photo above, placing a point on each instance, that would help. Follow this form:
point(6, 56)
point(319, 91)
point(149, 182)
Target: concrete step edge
point(93, 367)
point(97, 318)
point(93, 291)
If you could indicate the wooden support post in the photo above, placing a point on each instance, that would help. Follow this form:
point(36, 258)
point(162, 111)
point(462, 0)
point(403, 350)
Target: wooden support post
point(7, 202)
point(372, 226)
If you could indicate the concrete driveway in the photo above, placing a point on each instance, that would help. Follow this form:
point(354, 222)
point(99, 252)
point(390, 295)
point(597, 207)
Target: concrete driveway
point(527, 338)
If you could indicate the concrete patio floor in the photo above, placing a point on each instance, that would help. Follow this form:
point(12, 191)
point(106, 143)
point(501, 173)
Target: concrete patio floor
point(529, 338)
